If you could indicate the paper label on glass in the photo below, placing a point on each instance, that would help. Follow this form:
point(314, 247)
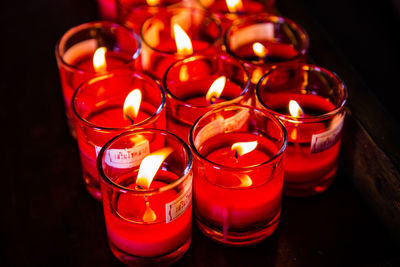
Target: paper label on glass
point(253, 33)
point(177, 207)
point(82, 48)
point(126, 158)
point(323, 141)
point(236, 121)
point(213, 128)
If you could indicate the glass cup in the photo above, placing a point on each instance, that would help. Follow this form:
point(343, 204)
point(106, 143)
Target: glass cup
point(148, 223)
point(76, 49)
point(99, 114)
point(265, 40)
point(238, 173)
point(175, 33)
point(310, 102)
point(188, 82)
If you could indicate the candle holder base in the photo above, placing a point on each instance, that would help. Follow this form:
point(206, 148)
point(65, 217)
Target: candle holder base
point(164, 260)
point(239, 239)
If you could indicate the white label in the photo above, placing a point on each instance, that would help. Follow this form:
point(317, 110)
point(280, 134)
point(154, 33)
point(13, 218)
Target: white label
point(211, 129)
point(262, 31)
point(236, 121)
point(323, 141)
point(82, 48)
point(177, 207)
point(126, 158)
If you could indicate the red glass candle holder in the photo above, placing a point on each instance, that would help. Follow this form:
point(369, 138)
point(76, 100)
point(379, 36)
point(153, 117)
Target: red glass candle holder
point(262, 41)
point(147, 226)
point(75, 51)
point(133, 13)
point(98, 107)
point(237, 9)
point(314, 129)
point(107, 9)
point(238, 173)
point(159, 46)
point(188, 81)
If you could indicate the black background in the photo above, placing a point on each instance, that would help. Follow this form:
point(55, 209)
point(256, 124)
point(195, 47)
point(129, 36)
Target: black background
point(48, 219)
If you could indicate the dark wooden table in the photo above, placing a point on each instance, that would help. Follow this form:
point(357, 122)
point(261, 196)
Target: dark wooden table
point(48, 219)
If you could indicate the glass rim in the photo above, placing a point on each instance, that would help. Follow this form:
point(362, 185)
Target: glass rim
point(116, 74)
point(274, 158)
point(175, 53)
point(309, 67)
point(94, 24)
point(264, 18)
point(227, 12)
point(245, 90)
point(115, 186)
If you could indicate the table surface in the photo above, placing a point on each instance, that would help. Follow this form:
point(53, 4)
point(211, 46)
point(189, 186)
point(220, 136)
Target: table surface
point(48, 218)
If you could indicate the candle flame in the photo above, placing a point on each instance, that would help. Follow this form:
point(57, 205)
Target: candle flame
point(149, 215)
point(132, 104)
point(295, 109)
point(259, 49)
point(153, 2)
point(216, 89)
point(99, 59)
point(182, 40)
point(241, 148)
point(183, 74)
point(234, 5)
point(150, 165)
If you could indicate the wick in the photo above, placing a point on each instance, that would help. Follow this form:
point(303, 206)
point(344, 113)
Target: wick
point(138, 187)
point(130, 119)
point(212, 100)
point(236, 154)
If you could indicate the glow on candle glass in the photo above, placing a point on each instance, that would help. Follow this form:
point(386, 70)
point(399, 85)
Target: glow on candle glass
point(296, 112)
point(241, 148)
point(216, 89)
point(234, 5)
point(153, 2)
point(259, 50)
point(245, 180)
point(182, 41)
point(99, 59)
point(132, 104)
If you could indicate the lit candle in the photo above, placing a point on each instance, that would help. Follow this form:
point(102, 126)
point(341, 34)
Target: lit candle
point(147, 203)
point(89, 50)
point(175, 33)
point(310, 102)
point(196, 84)
point(262, 41)
point(108, 105)
point(238, 176)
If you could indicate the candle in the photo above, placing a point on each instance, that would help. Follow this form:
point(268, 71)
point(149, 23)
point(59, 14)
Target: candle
point(310, 102)
point(228, 11)
point(147, 203)
point(262, 41)
point(116, 47)
point(103, 107)
point(197, 84)
point(238, 174)
point(176, 33)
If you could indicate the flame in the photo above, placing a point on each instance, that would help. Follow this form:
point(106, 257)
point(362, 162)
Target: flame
point(132, 104)
point(234, 5)
point(99, 59)
point(242, 148)
point(259, 49)
point(216, 89)
point(295, 109)
point(183, 74)
point(150, 165)
point(153, 2)
point(149, 215)
point(182, 40)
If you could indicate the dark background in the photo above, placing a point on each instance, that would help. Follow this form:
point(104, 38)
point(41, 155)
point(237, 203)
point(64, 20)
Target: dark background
point(48, 219)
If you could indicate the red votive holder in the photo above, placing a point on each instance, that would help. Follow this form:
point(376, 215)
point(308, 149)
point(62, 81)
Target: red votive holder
point(107, 9)
point(103, 110)
point(262, 41)
point(310, 102)
point(133, 13)
point(147, 196)
point(117, 48)
point(197, 84)
point(238, 173)
point(175, 33)
point(228, 11)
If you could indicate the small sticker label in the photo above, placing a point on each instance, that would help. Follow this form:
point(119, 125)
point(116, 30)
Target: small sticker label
point(126, 158)
point(177, 207)
point(262, 31)
point(323, 141)
point(213, 128)
point(236, 121)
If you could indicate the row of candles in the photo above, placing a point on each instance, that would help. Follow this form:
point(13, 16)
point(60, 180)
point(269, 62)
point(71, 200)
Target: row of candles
point(218, 102)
